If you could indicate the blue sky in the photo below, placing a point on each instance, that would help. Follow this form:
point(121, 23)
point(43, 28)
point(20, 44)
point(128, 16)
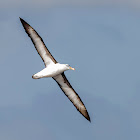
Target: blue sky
point(101, 41)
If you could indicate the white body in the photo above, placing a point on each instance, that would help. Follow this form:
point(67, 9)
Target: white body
point(51, 71)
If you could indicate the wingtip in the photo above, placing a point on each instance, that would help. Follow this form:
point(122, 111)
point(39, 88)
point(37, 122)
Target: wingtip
point(86, 115)
point(24, 23)
point(21, 19)
point(88, 118)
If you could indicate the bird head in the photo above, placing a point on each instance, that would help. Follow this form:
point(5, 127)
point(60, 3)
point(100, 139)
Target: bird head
point(69, 67)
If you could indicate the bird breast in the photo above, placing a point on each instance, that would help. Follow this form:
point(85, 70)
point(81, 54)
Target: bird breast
point(50, 71)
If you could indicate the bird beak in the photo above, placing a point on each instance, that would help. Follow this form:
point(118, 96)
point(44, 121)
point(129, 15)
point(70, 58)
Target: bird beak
point(72, 68)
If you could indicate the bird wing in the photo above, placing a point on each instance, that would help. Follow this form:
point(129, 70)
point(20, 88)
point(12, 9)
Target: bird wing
point(71, 94)
point(39, 44)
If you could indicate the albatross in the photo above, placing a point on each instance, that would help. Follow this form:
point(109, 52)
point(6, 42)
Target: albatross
point(54, 69)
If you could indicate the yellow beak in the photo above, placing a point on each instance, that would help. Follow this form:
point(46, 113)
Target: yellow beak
point(72, 68)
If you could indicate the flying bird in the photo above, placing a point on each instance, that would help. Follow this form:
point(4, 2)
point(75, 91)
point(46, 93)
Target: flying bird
point(54, 69)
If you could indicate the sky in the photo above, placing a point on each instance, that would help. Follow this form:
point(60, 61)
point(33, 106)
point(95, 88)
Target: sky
point(100, 39)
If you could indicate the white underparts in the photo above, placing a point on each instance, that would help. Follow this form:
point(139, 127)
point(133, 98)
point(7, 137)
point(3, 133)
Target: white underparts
point(50, 71)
